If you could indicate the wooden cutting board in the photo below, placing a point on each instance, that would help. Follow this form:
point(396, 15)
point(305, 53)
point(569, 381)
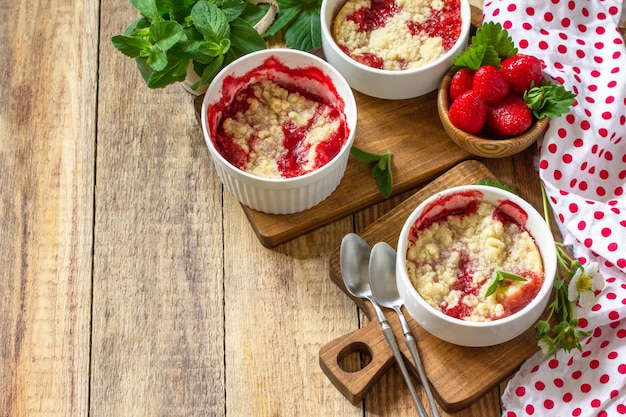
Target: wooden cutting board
point(409, 129)
point(458, 375)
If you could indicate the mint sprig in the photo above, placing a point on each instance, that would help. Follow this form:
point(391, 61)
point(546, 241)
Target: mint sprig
point(549, 100)
point(381, 172)
point(499, 280)
point(169, 35)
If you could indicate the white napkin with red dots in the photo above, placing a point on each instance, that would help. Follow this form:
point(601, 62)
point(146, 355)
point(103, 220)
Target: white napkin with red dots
point(582, 162)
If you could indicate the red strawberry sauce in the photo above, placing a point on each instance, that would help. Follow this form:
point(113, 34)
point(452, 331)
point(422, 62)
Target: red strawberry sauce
point(236, 91)
point(445, 23)
point(375, 17)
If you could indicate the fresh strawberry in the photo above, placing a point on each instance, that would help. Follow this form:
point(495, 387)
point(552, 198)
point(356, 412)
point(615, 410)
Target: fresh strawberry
point(520, 71)
point(491, 83)
point(468, 112)
point(510, 117)
point(461, 82)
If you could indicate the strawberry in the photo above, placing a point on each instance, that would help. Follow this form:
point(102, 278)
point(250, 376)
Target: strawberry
point(468, 112)
point(461, 82)
point(509, 117)
point(491, 83)
point(520, 71)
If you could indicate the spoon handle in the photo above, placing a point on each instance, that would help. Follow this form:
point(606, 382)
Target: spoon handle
point(410, 341)
point(388, 332)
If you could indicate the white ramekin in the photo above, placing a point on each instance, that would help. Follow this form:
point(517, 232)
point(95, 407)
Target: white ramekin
point(288, 195)
point(386, 84)
point(477, 334)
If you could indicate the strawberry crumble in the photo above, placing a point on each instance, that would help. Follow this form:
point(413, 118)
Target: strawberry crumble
point(452, 258)
point(274, 131)
point(397, 34)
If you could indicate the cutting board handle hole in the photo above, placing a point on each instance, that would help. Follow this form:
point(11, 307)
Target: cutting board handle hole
point(354, 357)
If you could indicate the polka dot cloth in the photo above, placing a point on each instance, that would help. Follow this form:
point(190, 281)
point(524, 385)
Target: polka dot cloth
point(582, 162)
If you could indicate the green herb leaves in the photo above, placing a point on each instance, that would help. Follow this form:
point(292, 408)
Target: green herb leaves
point(168, 36)
point(489, 46)
point(549, 100)
point(496, 38)
point(300, 21)
point(496, 184)
point(381, 171)
point(499, 280)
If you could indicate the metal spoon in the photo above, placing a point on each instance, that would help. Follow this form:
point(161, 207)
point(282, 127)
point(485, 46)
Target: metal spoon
point(382, 275)
point(354, 259)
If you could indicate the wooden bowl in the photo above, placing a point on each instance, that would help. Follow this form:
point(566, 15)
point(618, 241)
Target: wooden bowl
point(481, 146)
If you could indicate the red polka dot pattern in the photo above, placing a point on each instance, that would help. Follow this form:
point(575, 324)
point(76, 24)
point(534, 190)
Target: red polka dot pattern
point(582, 163)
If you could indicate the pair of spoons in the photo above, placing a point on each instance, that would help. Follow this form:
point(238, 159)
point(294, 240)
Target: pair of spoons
point(370, 273)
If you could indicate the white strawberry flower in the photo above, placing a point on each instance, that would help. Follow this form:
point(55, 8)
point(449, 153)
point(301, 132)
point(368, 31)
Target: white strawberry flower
point(584, 283)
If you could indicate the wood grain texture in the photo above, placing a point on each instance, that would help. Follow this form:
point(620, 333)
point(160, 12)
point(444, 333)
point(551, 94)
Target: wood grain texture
point(280, 308)
point(158, 299)
point(47, 143)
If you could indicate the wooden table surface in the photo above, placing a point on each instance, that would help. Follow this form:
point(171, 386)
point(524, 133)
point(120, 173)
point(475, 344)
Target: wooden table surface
point(131, 284)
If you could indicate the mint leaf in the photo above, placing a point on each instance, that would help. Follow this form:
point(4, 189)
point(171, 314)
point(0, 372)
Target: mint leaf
point(549, 100)
point(140, 28)
point(382, 175)
point(498, 280)
point(165, 34)
point(130, 45)
point(364, 156)
point(382, 169)
point(254, 13)
point(210, 21)
point(147, 8)
point(175, 71)
point(208, 72)
point(244, 39)
point(232, 9)
point(155, 57)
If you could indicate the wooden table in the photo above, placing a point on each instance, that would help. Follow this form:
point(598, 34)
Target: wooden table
point(131, 285)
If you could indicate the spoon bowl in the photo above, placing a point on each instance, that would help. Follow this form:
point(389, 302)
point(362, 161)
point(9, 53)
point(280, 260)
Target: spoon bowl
point(382, 278)
point(355, 263)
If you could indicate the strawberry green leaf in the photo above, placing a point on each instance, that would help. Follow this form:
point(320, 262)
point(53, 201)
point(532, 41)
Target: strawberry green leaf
point(494, 34)
point(496, 184)
point(304, 33)
point(549, 100)
point(300, 21)
point(476, 56)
